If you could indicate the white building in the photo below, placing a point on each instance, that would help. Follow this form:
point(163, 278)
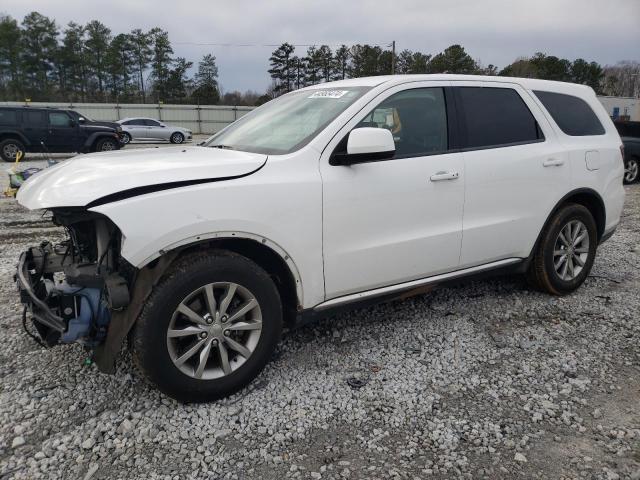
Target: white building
point(624, 108)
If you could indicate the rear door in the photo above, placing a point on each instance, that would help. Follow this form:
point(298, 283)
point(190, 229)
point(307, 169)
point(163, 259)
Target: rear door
point(63, 132)
point(137, 128)
point(36, 128)
point(515, 170)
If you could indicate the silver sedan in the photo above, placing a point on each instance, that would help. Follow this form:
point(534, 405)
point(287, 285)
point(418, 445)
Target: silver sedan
point(149, 129)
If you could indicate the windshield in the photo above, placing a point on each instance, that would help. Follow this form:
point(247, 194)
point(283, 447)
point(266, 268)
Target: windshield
point(287, 123)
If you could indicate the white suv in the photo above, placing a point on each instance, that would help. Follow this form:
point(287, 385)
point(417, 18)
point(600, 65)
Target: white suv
point(333, 195)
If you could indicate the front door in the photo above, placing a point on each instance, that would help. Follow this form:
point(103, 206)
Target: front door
point(156, 130)
point(392, 221)
point(63, 133)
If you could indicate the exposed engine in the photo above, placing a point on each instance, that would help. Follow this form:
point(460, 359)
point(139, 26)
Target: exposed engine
point(71, 288)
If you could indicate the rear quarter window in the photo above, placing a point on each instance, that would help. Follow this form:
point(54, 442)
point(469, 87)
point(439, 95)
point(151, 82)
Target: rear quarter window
point(8, 117)
point(573, 115)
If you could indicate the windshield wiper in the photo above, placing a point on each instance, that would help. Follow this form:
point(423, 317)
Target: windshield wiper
point(225, 147)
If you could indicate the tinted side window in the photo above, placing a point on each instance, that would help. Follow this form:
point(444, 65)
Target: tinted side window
point(59, 119)
point(496, 117)
point(572, 114)
point(34, 119)
point(8, 117)
point(151, 123)
point(417, 118)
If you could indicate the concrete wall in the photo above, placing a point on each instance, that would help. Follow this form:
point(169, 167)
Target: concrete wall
point(626, 107)
point(213, 118)
point(198, 118)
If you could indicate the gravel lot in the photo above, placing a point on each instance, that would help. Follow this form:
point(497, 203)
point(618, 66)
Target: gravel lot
point(483, 380)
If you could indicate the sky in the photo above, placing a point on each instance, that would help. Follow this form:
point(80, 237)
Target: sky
point(492, 31)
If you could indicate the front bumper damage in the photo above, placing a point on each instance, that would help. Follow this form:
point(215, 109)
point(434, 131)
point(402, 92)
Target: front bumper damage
point(81, 290)
point(71, 290)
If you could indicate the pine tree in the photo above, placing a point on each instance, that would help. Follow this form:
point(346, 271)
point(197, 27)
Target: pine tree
point(10, 84)
point(39, 46)
point(454, 59)
point(282, 68)
point(206, 81)
point(160, 61)
point(71, 63)
point(326, 63)
point(341, 63)
point(121, 63)
point(97, 44)
point(141, 43)
point(178, 85)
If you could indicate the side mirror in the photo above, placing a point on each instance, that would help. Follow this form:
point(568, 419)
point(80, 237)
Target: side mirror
point(163, 125)
point(81, 119)
point(366, 144)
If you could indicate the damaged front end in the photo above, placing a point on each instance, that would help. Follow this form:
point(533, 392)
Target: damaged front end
point(72, 289)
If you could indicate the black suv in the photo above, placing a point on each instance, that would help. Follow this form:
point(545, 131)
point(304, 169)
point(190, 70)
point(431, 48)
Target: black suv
point(630, 134)
point(53, 130)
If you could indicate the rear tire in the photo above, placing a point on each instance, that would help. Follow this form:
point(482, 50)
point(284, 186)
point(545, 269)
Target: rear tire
point(106, 145)
point(631, 170)
point(566, 251)
point(165, 339)
point(126, 138)
point(9, 149)
point(176, 138)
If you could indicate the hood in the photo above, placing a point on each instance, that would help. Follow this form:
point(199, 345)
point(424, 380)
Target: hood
point(107, 176)
point(93, 124)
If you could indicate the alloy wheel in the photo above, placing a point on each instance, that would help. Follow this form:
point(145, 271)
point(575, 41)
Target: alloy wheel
point(177, 138)
point(631, 169)
point(571, 250)
point(214, 330)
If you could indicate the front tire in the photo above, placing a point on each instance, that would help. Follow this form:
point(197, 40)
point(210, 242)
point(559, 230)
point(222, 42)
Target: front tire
point(631, 170)
point(209, 327)
point(176, 138)
point(9, 148)
point(566, 251)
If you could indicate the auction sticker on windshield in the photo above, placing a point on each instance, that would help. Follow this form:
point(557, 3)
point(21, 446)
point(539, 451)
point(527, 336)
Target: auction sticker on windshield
point(328, 94)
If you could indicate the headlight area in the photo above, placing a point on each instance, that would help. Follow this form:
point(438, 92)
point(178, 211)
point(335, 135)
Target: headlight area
point(71, 288)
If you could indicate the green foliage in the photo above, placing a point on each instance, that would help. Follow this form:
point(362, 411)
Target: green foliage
point(97, 43)
point(142, 52)
point(283, 68)
point(454, 59)
point(72, 65)
point(10, 41)
point(160, 62)
point(39, 49)
point(549, 67)
point(206, 83)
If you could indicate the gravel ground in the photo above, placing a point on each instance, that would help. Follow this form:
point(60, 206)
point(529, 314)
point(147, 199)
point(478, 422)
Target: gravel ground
point(483, 380)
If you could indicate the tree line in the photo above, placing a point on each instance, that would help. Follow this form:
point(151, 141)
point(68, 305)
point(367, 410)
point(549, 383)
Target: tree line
point(320, 64)
point(84, 63)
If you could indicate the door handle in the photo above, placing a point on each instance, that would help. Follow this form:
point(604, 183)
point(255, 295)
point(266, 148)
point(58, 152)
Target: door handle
point(553, 162)
point(437, 177)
